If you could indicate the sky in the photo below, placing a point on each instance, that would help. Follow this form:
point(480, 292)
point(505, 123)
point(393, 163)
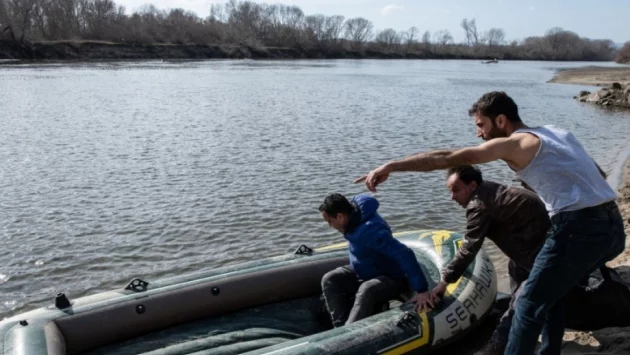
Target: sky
point(603, 19)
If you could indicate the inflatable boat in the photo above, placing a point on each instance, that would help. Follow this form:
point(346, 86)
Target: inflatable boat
point(268, 306)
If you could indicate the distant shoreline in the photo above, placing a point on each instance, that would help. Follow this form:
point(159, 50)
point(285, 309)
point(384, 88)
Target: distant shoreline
point(103, 50)
point(80, 50)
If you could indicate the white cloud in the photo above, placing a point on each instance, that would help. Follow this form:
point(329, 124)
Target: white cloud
point(532, 8)
point(391, 8)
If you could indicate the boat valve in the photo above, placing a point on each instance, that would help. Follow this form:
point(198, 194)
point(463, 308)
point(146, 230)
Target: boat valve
point(408, 319)
point(303, 249)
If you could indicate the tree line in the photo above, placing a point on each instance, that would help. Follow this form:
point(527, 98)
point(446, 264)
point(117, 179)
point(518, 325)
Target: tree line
point(261, 25)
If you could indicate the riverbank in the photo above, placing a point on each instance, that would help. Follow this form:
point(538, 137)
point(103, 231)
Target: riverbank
point(86, 50)
point(103, 50)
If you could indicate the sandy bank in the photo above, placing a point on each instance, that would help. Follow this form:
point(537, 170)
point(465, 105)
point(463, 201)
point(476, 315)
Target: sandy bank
point(591, 75)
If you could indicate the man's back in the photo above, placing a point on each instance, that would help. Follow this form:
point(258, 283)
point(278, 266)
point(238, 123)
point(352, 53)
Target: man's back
point(366, 234)
point(563, 174)
point(373, 251)
point(514, 218)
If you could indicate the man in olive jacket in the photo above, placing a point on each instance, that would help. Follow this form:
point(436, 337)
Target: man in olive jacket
point(514, 218)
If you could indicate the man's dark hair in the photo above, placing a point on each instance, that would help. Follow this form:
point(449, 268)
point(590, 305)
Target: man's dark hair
point(495, 103)
point(336, 203)
point(467, 174)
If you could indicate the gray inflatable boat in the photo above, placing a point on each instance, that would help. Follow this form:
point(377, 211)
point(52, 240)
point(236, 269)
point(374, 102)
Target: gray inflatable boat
point(268, 306)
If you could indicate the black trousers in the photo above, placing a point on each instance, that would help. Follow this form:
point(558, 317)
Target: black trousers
point(349, 299)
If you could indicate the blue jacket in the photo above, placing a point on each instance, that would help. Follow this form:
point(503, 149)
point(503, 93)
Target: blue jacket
point(373, 251)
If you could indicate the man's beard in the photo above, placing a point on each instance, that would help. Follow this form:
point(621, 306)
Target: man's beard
point(495, 132)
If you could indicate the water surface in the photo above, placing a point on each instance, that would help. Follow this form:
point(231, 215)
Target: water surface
point(150, 169)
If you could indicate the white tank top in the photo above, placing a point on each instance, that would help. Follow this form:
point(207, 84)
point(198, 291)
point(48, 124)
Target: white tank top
point(563, 174)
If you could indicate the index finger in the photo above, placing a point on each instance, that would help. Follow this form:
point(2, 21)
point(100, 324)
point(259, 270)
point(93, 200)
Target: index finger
point(361, 179)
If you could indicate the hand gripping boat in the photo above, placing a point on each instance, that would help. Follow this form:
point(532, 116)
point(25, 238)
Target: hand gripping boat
point(269, 306)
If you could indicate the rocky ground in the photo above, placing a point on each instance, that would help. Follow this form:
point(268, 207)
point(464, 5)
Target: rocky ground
point(617, 95)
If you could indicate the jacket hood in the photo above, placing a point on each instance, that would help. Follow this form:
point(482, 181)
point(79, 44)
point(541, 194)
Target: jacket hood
point(367, 204)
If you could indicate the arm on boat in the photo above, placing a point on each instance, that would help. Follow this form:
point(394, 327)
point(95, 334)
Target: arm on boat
point(386, 244)
point(476, 231)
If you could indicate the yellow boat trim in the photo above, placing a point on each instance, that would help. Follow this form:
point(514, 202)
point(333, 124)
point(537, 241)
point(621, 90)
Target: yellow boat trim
point(416, 343)
point(452, 287)
point(333, 247)
point(439, 238)
point(441, 234)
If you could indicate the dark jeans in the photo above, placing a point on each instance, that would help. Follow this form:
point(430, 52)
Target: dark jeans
point(349, 299)
point(579, 242)
point(518, 275)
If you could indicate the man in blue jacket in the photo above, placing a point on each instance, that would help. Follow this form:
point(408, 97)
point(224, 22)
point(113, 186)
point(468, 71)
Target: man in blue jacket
point(381, 267)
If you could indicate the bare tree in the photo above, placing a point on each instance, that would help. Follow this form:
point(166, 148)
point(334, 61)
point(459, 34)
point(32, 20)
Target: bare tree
point(495, 37)
point(470, 27)
point(150, 23)
point(59, 19)
point(358, 30)
point(443, 37)
point(267, 30)
point(426, 37)
point(218, 13)
point(98, 16)
point(410, 37)
point(19, 17)
point(216, 23)
point(426, 41)
point(388, 39)
point(553, 37)
point(534, 47)
point(294, 23)
point(4, 18)
point(563, 44)
point(333, 28)
point(243, 18)
point(599, 49)
point(315, 27)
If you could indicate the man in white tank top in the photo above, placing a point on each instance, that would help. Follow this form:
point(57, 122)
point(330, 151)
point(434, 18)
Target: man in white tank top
point(587, 228)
